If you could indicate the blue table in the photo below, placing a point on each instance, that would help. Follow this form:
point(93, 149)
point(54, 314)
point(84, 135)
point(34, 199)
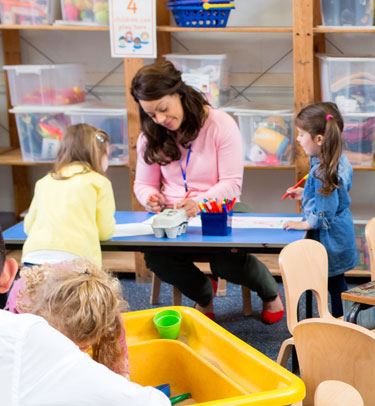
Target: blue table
point(256, 240)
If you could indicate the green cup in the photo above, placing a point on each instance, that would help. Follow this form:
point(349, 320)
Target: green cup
point(168, 323)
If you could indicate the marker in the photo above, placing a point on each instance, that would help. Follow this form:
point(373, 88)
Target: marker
point(187, 194)
point(295, 186)
point(180, 398)
point(152, 197)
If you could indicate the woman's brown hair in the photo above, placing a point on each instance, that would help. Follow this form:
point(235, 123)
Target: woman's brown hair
point(324, 119)
point(152, 82)
point(80, 301)
point(83, 144)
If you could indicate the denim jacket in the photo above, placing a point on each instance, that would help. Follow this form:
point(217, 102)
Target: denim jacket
point(330, 217)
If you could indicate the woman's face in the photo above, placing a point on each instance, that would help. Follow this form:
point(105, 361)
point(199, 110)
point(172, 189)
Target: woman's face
point(167, 111)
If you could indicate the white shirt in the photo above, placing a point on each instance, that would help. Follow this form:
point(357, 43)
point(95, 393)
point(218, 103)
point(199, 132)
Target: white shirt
point(40, 366)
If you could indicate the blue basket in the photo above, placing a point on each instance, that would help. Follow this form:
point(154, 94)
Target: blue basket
point(198, 17)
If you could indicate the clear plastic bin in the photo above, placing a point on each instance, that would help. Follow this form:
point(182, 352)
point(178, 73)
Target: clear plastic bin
point(40, 130)
point(93, 12)
point(29, 12)
point(347, 12)
point(267, 136)
point(207, 73)
point(107, 117)
point(349, 82)
point(46, 84)
point(358, 136)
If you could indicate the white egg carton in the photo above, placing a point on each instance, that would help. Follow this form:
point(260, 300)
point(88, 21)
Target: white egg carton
point(170, 222)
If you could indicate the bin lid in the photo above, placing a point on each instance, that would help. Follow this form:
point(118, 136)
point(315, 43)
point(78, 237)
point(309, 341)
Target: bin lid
point(96, 107)
point(240, 108)
point(196, 56)
point(38, 68)
point(41, 109)
point(347, 58)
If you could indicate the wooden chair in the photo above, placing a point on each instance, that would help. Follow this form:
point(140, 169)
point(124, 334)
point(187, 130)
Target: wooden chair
point(370, 239)
point(303, 266)
point(337, 393)
point(177, 297)
point(333, 349)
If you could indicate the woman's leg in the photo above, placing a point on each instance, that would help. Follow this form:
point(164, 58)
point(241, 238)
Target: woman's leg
point(337, 285)
point(246, 269)
point(180, 271)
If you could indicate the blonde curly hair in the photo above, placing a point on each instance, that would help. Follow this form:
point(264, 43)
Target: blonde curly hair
point(83, 303)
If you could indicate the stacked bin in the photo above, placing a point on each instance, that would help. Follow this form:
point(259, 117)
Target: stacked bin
point(347, 12)
point(41, 94)
point(207, 73)
point(350, 83)
point(193, 13)
point(48, 99)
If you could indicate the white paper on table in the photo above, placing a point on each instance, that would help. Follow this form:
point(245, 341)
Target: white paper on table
point(131, 229)
point(251, 222)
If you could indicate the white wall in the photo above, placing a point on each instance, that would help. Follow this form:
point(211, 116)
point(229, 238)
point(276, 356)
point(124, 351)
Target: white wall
point(250, 53)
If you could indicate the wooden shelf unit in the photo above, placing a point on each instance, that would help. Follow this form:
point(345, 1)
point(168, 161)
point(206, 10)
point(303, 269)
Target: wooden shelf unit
point(308, 39)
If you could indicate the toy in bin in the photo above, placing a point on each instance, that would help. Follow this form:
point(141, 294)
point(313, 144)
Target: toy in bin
point(170, 222)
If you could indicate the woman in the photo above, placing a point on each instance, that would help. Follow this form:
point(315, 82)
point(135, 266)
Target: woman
point(188, 147)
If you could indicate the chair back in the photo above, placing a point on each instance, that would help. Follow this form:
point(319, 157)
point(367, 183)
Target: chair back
point(337, 393)
point(370, 239)
point(333, 349)
point(304, 266)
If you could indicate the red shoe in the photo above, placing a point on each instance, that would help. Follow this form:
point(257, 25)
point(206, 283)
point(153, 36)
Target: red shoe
point(214, 288)
point(272, 317)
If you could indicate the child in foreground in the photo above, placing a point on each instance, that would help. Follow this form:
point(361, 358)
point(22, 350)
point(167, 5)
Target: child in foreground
point(80, 301)
point(73, 206)
point(325, 198)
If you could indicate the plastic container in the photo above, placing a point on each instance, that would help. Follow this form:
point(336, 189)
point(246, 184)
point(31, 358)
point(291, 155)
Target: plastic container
point(207, 361)
point(358, 136)
point(170, 223)
point(168, 323)
point(46, 84)
point(216, 223)
point(201, 14)
point(40, 130)
point(94, 12)
point(207, 73)
point(349, 82)
point(347, 12)
point(267, 136)
point(110, 118)
point(29, 12)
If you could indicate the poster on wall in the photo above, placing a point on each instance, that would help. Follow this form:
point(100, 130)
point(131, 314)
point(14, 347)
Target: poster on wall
point(132, 25)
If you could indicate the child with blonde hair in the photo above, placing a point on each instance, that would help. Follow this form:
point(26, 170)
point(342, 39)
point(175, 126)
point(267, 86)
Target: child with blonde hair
point(83, 303)
point(73, 206)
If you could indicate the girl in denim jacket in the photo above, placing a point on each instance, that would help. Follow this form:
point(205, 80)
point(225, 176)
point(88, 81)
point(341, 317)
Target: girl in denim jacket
point(325, 198)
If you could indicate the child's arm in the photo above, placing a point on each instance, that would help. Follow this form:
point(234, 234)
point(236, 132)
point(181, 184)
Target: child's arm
point(297, 225)
point(105, 211)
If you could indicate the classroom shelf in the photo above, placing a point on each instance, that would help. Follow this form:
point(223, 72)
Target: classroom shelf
point(167, 28)
point(53, 27)
point(321, 29)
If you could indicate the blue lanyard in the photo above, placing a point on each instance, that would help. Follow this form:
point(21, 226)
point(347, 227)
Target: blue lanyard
point(183, 172)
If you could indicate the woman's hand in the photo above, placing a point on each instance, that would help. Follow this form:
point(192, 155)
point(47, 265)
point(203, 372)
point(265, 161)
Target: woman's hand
point(155, 203)
point(295, 194)
point(190, 206)
point(297, 225)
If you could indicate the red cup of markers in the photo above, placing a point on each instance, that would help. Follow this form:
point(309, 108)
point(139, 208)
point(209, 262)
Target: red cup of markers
point(216, 223)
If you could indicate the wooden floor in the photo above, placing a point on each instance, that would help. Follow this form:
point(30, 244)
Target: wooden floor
point(124, 262)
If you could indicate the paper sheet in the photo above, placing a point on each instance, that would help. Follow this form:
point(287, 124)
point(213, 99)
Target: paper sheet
point(131, 229)
point(251, 222)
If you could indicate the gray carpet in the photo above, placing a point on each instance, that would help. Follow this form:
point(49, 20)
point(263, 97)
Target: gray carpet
point(228, 309)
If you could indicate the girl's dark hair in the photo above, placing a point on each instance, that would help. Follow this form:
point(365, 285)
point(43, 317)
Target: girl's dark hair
point(316, 120)
point(152, 82)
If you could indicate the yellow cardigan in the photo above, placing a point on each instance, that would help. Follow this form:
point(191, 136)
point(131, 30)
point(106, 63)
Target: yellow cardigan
point(71, 215)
